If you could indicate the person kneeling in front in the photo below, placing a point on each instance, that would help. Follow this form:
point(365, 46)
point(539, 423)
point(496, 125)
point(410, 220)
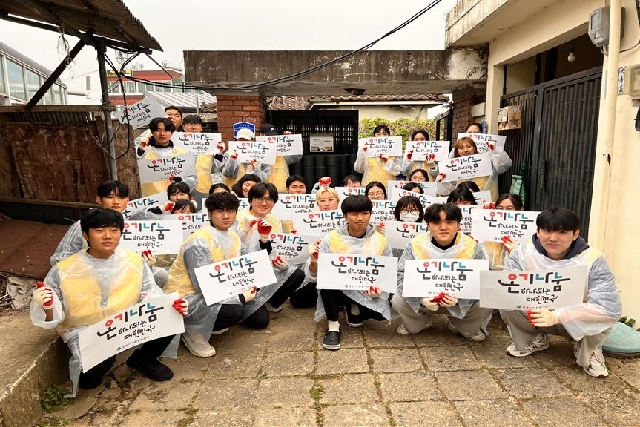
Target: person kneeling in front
point(557, 244)
point(93, 284)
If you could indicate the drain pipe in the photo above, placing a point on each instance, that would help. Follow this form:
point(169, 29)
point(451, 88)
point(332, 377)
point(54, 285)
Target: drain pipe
point(604, 148)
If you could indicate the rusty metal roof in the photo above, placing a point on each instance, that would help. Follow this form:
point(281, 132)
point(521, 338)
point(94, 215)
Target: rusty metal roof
point(108, 19)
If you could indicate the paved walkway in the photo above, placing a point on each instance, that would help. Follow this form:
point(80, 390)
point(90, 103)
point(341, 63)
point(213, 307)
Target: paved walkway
point(282, 377)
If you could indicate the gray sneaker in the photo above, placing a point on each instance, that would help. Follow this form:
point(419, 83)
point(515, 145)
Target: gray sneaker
point(539, 343)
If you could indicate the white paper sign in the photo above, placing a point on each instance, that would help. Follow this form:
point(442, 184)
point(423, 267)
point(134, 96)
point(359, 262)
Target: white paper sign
point(428, 188)
point(249, 150)
point(389, 145)
point(292, 247)
point(289, 204)
point(197, 142)
point(421, 149)
point(287, 145)
point(190, 222)
point(140, 323)
point(397, 193)
point(357, 272)
point(481, 140)
point(222, 280)
point(491, 225)
point(467, 219)
point(161, 237)
point(482, 197)
point(523, 290)
point(144, 203)
point(316, 223)
point(430, 200)
point(458, 277)
point(383, 211)
point(400, 233)
point(142, 112)
point(153, 170)
point(344, 192)
point(466, 167)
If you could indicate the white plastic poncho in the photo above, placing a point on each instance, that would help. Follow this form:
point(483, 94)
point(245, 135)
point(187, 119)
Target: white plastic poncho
point(105, 272)
point(376, 169)
point(601, 308)
point(464, 248)
point(409, 166)
point(338, 241)
point(233, 170)
point(151, 152)
point(71, 243)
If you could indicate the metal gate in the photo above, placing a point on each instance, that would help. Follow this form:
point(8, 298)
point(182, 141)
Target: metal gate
point(557, 141)
point(343, 125)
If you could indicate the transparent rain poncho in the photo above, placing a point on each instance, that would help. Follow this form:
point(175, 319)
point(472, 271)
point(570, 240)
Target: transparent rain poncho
point(601, 308)
point(151, 152)
point(233, 170)
point(339, 241)
point(376, 169)
point(280, 171)
point(409, 166)
point(82, 287)
point(464, 248)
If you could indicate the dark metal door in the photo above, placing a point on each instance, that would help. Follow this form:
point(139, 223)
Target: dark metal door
point(558, 142)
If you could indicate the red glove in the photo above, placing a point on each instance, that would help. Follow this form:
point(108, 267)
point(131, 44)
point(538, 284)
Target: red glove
point(314, 249)
point(409, 154)
point(364, 149)
point(438, 298)
point(373, 291)
point(143, 144)
point(181, 306)
point(264, 229)
point(325, 181)
point(381, 228)
point(172, 177)
point(489, 205)
point(221, 146)
point(146, 252)
point(169, 206)
point(431, 157)
point(234, 155)
point(384, 157)
point(508, 244)
point(253, 164)
point(440, 177)
point(50, 302)
point(491, 145)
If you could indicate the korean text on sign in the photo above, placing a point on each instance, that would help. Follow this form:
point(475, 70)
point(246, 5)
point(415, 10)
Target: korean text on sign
point(459, 277)
point(161, 237)
point(349, 191)
point(400, 233)
point(421, 149)
point(142, 322)
point(249, 151)
point(289, 204)
point(493, 225)
point(141, 113)
point(482, 141)
point(287, 145)
point(523, 290)
point(197, 142)
point(144, 203)
point(428, 188)
point(153, 170)
point(383, 211)
point(317, 223)
point(466, 167)
point(389, 145)
point(357, 272)
point(222, 280)
point(292, 247)
point(190, 222)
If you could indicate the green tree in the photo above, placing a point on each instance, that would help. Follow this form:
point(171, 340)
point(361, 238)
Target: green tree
point(400, 127)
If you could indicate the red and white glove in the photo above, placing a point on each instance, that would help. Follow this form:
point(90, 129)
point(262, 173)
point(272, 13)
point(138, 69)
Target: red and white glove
point(431, 159)
point(181, 306)
point(448, 300)
point(488, 205)
point(542, 317)
point(249, 294)
point(384, 158)
point(440, 177)
point(373, 292)
point(221, 147)
point(234, 155)
point(508, 244)
point(168, 207)
point(264, 229)
point(381, 228)
point(409, 154)
point(314, 251)
point(43, 296)
point(325, 181)
point(280, 263)
point(253, 163)
point(148, 257)
point(364, 149)
point(429, 305)
point(491, 145)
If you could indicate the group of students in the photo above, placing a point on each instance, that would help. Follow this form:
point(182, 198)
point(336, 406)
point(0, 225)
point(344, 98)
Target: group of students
point(92, 277)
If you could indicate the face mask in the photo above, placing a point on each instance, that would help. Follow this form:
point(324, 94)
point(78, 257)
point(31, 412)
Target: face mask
point(409, 217)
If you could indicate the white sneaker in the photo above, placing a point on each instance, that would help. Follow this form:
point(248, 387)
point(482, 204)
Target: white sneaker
point(596, 367)
point(198, 346)
point(539, 343)
point(271, 308)
point(220, 332)
point(402, 330)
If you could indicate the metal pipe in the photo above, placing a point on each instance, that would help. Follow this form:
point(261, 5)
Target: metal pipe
point(107, 108)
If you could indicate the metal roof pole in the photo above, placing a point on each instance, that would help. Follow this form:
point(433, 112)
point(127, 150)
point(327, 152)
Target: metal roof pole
point(107, 108)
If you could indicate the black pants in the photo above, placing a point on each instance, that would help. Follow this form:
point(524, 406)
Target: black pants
point(305, 297)
point(332, 299)
point(258, 320)
point(229, 315)
point(150, 350)
point(288, 288)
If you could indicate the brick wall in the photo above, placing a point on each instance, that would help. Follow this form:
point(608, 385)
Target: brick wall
point(463, 100)
point(239, 108)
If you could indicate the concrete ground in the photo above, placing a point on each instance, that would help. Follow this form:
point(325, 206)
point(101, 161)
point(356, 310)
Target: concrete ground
point(282, 377)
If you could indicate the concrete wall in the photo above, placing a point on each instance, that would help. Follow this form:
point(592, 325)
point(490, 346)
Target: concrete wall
point(553, 26)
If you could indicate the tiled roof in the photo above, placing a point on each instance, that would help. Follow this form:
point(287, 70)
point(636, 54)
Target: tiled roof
point(288, 102)
point(383, 98)
point(183, 100)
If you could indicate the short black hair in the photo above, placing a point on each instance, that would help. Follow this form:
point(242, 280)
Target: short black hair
point(119, 188)
point(294, 178)
point(192, 119)
point(375, 184)
point(179, 204)
point(558, 219)
point(451, 211)
point(461, 194)
point(407, 202)
point(515, 199)
point(178, 186)
point(422, 171)
point(173, 107)
point(222, 201)
point(219, 185)
point(101, 217)
point(168, 124)
point(262, 188)
point(380, 128)
point(356, 203)
point(422, 131)
point(237, 187)
point(409, 186)
point(469, 185)
point(352, 178)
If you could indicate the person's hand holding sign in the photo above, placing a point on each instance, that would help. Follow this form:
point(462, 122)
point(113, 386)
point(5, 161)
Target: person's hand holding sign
point(181, 306)
point(373, 292)
point(264, 229)
point(280, 263)
point(542, 317)
point(249, 294)
point(314, 251)
point(43, 296)
point(429, 304)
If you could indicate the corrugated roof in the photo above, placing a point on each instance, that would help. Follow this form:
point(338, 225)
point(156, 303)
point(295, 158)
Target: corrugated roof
point(383, 98)
point(183, 100)
point(109, 19)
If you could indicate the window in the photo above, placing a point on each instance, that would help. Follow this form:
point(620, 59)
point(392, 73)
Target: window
point(114, 87)
point(16, 80)
point(130, 87)
point(3, 89)
point(33, 83)
point(48, 97)
point(57, 99)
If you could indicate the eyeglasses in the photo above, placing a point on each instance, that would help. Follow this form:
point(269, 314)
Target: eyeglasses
point(410, 211)
point(265, 200)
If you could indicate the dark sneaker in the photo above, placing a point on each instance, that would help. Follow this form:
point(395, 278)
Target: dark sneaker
point(89, 382)
point(353, 320)
point(331, 340)
point(153, 369)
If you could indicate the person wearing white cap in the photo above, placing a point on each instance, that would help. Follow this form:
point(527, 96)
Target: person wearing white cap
point(233, 169)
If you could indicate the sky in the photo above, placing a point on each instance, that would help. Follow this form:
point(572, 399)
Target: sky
point(244, 25)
